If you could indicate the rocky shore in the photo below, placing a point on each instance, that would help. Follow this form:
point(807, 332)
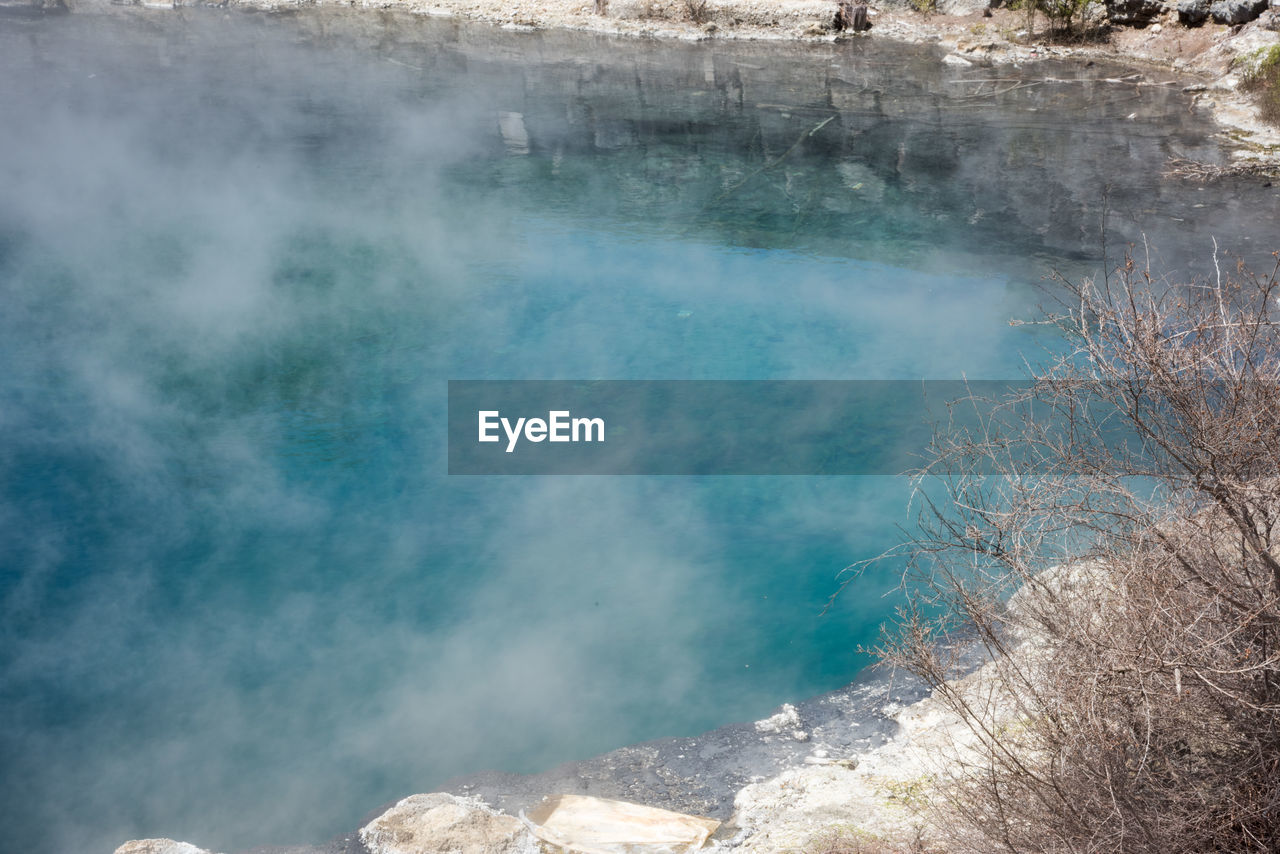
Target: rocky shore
point(858, 760)
point(1211, 40)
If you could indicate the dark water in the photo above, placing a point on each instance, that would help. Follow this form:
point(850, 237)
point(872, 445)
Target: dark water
point(241, 255)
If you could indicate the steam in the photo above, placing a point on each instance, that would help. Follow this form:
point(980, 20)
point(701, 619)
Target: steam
point(240, 602)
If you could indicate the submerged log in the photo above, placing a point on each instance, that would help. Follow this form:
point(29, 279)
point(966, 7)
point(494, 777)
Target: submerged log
point(852, 16)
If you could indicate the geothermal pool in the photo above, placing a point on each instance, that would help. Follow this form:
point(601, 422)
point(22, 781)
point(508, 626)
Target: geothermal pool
point(241, 256)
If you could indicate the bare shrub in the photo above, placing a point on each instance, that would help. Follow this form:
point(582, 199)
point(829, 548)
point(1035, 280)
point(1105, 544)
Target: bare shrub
point(851, 16)
point(1065, 19)
point(697, 11)
point(1063, 15)
point(1125, 583)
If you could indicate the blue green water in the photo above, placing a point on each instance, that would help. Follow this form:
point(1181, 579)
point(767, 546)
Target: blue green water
point(240, 257)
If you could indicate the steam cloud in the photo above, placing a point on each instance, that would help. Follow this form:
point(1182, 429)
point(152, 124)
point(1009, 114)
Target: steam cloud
point(240, 602)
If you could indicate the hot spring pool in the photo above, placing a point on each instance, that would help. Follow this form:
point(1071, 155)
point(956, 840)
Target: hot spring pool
point(240, 256)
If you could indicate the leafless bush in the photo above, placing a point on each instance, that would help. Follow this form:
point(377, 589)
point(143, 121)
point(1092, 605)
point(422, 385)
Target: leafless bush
point(1124, 582)
point(697, 11)
point(852, 16)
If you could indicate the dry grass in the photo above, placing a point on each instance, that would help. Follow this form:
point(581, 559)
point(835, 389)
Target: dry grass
point(1262, 80)
point(846, 840)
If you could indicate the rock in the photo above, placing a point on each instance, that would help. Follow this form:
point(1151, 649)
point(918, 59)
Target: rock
point(1133, 12)
point(605, 826)
point(956, 60)
point(1232, 12)
point(444, 824)
point(158, 846)
point(963, 7)
point(1193, 13)
point(785, 722)
point(1094, 15)
point(881, 794)
point(514, 136)
point(1270, 20)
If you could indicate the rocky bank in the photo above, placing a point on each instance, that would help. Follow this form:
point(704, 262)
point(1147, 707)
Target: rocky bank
point(1210, 39)
point(858, 761)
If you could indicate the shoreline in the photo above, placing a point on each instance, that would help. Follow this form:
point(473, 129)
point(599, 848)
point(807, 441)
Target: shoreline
point(861, 759)
point(1206, 54)
point(743, 774)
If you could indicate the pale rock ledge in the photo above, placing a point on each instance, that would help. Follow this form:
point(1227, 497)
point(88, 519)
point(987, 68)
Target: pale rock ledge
point(446, 824)
point(159, 846)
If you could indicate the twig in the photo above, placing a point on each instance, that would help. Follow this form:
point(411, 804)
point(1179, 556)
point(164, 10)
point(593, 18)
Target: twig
point(1194, 170)
point(772, 163)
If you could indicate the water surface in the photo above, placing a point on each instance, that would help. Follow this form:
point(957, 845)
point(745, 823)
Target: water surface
point(241, 255)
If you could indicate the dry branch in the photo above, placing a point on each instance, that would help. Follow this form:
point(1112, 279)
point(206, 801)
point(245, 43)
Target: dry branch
point(1195, 170)
point(1127, 593)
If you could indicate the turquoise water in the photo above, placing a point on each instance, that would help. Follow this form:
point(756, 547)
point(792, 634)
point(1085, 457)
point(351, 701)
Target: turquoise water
point(241, 256)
